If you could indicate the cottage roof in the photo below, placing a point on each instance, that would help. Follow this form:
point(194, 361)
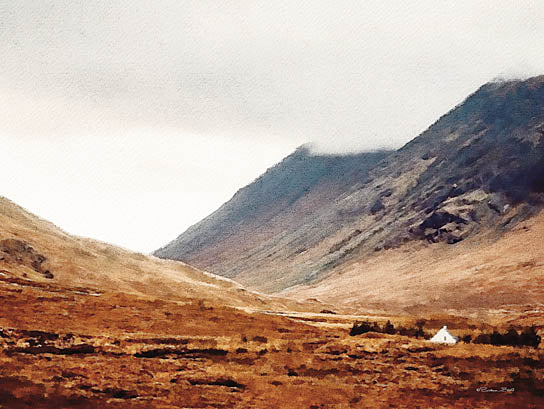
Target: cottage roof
point(443, 336)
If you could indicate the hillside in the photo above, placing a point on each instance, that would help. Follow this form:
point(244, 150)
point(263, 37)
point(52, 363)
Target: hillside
point(34, 252)
point(478, 171)
point(238, 236)
point(482, 276)
point(68, 349)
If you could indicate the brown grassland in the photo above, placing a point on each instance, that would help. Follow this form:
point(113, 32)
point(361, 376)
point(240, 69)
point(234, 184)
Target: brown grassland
point(66, 349)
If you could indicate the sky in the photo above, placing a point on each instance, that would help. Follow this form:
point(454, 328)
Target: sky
point(129, 121)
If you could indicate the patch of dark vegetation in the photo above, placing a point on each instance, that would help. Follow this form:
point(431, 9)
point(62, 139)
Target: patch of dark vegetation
point(160, 341)
point(80, 349)
point(120, 393)
point(388, 328)
point(336, 351)
point(316, 373)
point(527, 337)
point(377, 207)
point(260, 339)
point(218, 382)
point(188, 353)
point(327, 312)
point(40, 336)
point(418, 350)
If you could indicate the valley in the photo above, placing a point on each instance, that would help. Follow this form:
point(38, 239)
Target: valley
point(66, 349)
point(318, 285)
point(79, 329)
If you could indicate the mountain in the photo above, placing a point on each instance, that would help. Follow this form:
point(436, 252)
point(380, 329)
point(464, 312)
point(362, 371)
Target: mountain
point(36, 253)
point(261, 223)
point(485, 275)
point(476, 172)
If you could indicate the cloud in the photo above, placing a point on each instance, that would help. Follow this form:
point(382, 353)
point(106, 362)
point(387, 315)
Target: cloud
point(347, 75)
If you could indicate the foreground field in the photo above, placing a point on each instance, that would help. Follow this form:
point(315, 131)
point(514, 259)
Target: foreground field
point(77, 348)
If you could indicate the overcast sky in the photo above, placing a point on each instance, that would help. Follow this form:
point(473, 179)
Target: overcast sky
point(128, 121)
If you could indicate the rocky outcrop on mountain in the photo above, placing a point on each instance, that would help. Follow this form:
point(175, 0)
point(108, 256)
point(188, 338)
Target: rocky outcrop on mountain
point(479, 167)
point(17, 252)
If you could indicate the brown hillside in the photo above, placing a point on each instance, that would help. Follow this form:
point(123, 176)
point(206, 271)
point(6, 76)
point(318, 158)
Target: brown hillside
point(34, 250)
point(482, 275)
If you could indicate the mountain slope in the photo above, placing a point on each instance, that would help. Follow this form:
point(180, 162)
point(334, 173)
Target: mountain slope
point(483, 275)
point(479, 168)
point(37, 253)
point(286, 196)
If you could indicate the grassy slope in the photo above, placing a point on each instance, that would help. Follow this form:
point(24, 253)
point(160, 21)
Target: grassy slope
point(81, 262)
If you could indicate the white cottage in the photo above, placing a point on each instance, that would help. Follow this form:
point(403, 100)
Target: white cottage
point(444, 337)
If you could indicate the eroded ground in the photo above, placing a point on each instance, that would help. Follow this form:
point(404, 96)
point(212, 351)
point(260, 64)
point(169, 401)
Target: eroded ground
point(78, 348)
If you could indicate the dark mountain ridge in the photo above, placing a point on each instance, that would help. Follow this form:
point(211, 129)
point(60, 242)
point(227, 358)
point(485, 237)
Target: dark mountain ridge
point(479, 167)
point(301, 181)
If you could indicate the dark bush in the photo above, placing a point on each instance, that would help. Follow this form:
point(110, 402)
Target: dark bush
point(389, 328)
point(511, 337)
point(420, 333)
point(361, 328)
point(421, 323)
point(496, 338)
point(528, 337)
